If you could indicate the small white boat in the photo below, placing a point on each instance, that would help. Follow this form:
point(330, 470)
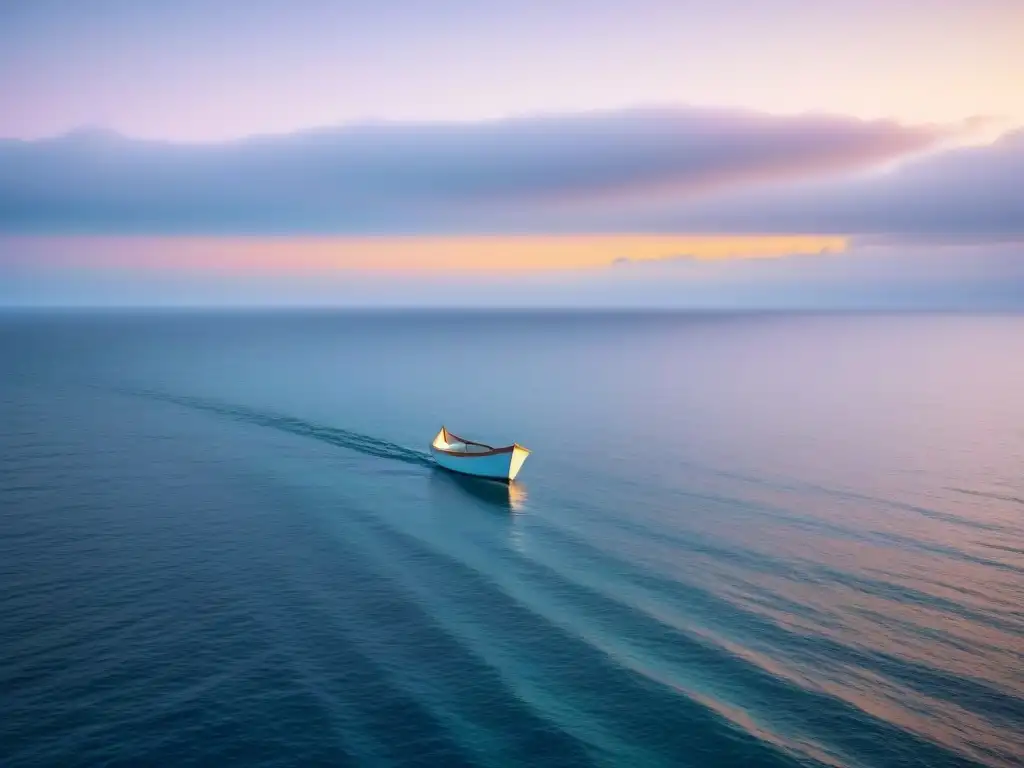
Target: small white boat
point(471, 458)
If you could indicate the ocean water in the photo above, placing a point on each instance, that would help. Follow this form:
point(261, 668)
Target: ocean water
point(741, 540)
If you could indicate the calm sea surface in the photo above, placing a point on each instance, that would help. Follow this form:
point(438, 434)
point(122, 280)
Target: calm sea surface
point(741, 540)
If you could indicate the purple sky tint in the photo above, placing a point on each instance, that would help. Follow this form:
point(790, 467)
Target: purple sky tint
point(846, 117)
point(209, 69)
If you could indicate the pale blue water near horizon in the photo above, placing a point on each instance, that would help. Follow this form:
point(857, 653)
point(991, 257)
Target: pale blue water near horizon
point(741, 540)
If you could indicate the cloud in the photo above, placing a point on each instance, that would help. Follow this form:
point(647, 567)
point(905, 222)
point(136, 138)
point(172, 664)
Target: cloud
point(972, 192)
point(533, 174)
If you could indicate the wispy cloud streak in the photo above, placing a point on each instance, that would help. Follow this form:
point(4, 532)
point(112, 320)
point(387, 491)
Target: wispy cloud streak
point(970, 192)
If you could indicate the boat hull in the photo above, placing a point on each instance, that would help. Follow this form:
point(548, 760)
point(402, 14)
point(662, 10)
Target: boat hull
point(495, 466)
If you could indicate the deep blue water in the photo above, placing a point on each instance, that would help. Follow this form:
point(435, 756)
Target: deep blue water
point(741, 540)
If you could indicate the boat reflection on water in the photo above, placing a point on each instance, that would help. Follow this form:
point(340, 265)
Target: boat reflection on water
point(506, 497)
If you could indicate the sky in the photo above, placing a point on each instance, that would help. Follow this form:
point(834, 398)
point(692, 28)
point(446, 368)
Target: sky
point(652, 153)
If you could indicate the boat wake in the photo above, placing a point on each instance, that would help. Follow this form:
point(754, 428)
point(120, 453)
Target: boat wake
point(342, 438)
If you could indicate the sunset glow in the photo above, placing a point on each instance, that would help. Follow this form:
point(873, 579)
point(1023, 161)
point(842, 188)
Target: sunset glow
point(401, 254)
